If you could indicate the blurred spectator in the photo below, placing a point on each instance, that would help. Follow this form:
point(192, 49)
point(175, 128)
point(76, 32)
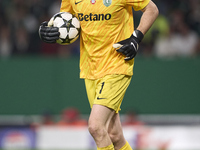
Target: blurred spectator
point(5, 44)
point(185, 41)
point(21, 42)
point(194, 15)
point(181, 40)
point(54, 8)
point(159, 29)
point(131, 118)
point(198, 47)
point(71, 117)
point(47, 119)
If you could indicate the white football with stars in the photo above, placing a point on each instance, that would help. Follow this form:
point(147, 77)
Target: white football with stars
point(69, 27)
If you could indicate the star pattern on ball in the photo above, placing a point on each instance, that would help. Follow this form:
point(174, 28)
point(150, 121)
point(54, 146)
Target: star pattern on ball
point(69, 27)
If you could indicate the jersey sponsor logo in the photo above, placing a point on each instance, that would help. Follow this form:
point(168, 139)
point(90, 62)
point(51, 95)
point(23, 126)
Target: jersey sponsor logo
point(94, 17)
point(77, 2)
point(107, 2)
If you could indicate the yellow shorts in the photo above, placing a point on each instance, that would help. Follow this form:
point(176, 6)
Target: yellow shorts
point(108, 91)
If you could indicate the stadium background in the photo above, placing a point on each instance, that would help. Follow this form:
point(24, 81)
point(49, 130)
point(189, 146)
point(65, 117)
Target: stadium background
point(39, 80)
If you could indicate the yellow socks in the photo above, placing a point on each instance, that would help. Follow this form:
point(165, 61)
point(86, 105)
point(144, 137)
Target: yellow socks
point(126, 147)
point(110, 147)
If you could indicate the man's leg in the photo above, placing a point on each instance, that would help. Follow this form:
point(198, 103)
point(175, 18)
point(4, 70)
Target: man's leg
point(105, 96)
point(99, 121)
point(116, 134)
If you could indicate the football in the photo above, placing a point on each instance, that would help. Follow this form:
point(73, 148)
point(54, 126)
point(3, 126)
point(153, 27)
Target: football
point(69, 27)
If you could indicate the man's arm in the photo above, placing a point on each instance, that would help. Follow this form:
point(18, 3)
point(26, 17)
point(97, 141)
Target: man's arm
point(150, 13)
point(129, 47)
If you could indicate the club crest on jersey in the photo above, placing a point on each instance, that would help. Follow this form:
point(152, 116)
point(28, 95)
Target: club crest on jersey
point(93, 1)
point(107, 2)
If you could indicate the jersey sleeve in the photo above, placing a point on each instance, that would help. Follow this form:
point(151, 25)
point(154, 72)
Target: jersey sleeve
point(137, 4)
point(66, 6)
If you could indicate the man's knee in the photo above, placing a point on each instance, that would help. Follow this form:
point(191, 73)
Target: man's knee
point(96, 130)
point(116, 137)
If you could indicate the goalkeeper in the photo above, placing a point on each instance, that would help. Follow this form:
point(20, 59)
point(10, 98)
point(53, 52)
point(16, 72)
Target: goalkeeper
point(108, 45)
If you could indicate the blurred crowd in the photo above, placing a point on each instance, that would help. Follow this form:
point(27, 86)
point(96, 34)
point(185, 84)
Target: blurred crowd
point(176, 32)
point(71, 117)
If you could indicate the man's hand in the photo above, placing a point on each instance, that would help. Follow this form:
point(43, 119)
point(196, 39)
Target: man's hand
point(47, 33)
point(129, 47)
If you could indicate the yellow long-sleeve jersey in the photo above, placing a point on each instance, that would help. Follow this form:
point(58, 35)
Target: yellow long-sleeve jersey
point(103, 23)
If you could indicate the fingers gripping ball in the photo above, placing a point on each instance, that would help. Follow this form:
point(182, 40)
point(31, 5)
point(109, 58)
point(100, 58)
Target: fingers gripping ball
point(68, 25)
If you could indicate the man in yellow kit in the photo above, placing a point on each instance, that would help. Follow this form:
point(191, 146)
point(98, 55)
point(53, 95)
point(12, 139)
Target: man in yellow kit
point(108, 45)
